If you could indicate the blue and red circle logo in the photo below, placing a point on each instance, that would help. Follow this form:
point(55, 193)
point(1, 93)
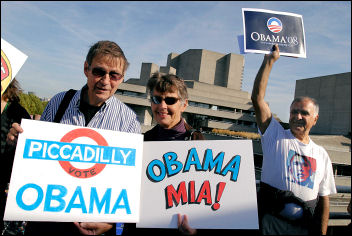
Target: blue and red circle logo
point(274, 25)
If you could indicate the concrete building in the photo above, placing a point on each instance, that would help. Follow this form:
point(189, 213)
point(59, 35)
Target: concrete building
point(214, 82)
point(333, 93)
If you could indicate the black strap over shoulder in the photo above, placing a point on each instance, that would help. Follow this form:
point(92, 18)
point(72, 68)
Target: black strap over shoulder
point(64, 104)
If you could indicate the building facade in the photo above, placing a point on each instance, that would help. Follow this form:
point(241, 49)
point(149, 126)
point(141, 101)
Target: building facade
point(214, 82)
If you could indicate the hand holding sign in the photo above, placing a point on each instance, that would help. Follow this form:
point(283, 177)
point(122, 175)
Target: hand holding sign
point(274, 55)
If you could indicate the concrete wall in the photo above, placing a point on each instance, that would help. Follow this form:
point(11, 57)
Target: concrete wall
point(234, 71)
point(242, 96)
point(333, 93)
point(209, 67)
point(167, 70)
point(147, 70)
point(148, 117)
point(231, 126)
point(171, 61)
point(212, 68)
point(188, 64)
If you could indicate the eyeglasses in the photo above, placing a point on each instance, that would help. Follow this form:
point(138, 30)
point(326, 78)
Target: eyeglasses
point(168, 100)
point(100, 73)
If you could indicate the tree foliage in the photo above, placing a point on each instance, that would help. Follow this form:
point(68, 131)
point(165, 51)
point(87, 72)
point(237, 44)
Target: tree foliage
point(32, 103)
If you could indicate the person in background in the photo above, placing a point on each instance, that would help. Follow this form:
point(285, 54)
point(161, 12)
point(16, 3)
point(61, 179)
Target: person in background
point(94, 105)
point(294, 192)
point(11, 112)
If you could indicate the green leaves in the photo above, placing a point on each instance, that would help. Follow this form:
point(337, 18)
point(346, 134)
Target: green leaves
point(32, 103)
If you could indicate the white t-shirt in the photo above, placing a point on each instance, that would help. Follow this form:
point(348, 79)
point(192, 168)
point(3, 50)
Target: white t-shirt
point(288, 164)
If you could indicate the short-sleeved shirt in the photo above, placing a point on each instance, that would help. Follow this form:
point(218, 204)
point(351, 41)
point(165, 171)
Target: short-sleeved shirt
point(288, 164)
point(113, 114)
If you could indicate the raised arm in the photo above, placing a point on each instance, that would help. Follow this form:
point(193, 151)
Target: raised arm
point(262, 110)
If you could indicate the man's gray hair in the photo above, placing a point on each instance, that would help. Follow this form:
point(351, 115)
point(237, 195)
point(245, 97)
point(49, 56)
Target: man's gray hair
point(302, 98)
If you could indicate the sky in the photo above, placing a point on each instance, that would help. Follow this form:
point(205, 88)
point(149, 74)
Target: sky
point(56, 37)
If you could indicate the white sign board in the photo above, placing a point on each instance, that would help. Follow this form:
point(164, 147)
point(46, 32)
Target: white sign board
point(213, 182)
point(11, 62)
point(75, 174)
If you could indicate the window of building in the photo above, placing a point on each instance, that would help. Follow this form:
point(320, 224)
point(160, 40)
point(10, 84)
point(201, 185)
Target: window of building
point(131, 94)
point(227, 109)
point(199, 104)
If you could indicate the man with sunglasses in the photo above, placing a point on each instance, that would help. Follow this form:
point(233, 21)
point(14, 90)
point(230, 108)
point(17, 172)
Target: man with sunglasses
point(294, 192)
point(93, 106)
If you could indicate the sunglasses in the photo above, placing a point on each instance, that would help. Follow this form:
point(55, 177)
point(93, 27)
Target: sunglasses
point(168, 100)
point(98, 72)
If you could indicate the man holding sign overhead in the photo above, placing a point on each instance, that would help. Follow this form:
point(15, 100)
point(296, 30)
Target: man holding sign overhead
point(297, 176)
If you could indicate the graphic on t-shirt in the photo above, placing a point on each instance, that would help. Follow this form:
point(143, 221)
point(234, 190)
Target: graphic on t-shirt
point(301, 169)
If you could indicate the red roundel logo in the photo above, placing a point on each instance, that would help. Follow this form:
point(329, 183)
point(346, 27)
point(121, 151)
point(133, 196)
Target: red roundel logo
point(89, 172)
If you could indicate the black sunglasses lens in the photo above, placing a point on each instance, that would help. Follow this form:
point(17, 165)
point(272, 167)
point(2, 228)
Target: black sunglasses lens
point(170, 100)
point(115, 76)
point(98, 72)
point(156, 99)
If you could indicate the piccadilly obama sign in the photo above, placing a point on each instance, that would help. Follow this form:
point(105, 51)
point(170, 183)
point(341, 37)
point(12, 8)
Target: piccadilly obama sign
point(264, 28)
point(75, 174)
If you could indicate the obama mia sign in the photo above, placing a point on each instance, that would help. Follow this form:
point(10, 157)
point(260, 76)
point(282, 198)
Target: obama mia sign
point(75, 174)
point(213, 182)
